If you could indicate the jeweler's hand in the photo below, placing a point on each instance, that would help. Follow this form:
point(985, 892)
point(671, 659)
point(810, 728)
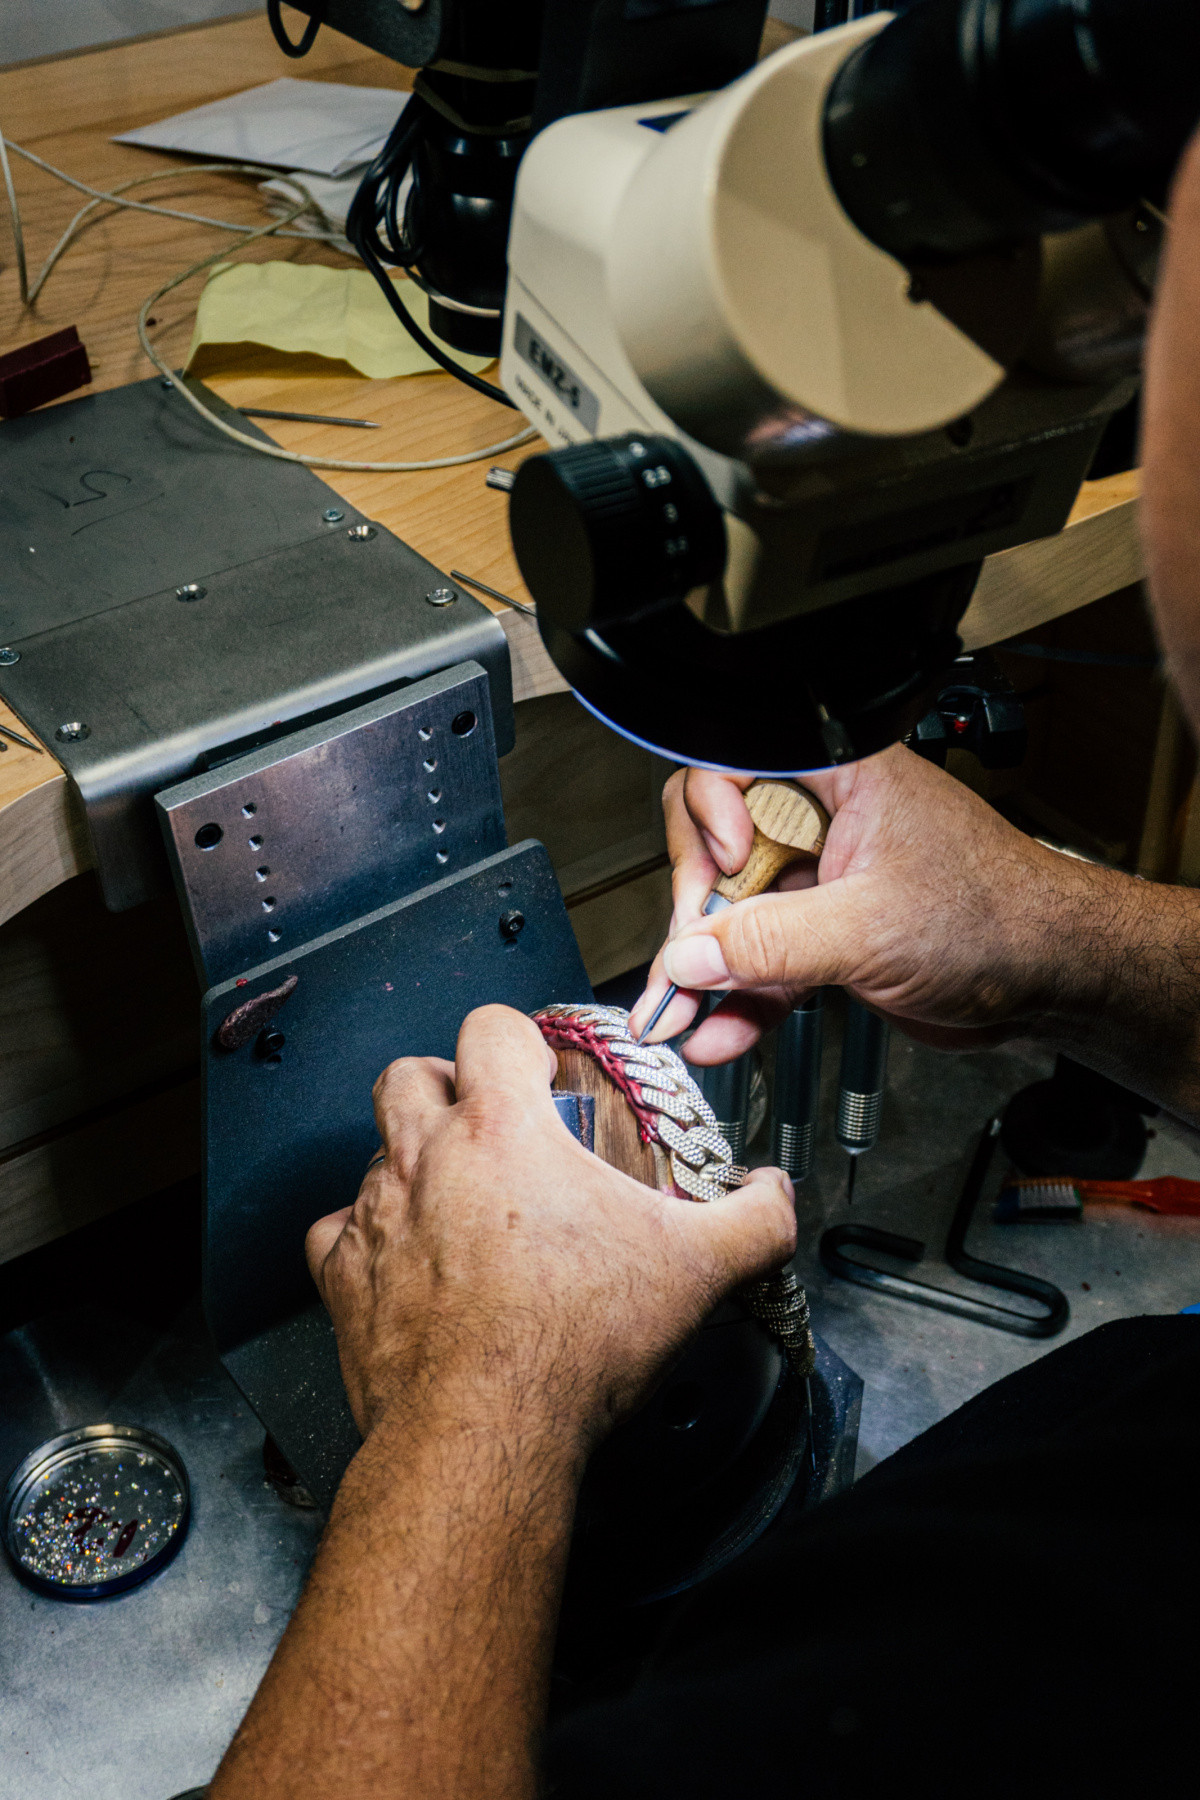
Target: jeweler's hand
point(491, 1262)
point(927, 905)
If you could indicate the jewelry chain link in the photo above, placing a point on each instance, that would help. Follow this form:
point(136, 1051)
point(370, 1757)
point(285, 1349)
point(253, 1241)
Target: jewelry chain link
point(701, 1160)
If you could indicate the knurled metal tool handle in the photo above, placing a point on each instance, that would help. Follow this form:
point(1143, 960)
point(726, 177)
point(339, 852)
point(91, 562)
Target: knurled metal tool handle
point(861, 1078)
point(797, 1087)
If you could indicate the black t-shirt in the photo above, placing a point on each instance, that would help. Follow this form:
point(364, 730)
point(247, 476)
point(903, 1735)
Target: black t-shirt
point(1008, 1606)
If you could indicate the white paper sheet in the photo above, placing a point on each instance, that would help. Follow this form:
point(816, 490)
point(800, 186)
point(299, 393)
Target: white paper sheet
point(320, 127)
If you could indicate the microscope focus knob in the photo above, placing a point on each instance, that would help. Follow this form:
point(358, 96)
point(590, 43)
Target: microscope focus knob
point(606, 530)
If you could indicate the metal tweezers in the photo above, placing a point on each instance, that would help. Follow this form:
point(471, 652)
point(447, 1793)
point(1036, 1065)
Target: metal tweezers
point(923, 1293)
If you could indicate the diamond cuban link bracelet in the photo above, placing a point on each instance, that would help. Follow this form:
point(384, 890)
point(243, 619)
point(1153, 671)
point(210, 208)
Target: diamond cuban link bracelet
point(672, 1112)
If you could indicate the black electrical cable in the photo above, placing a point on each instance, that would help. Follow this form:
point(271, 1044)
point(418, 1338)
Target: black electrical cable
point(378, 232)
point(309, 35)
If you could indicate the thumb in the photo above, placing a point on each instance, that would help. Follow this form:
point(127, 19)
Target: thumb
point(750, 1232)
point(810, 937)
point(500, 1051)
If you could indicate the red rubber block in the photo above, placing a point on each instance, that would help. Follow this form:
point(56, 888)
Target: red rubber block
point(42, 371)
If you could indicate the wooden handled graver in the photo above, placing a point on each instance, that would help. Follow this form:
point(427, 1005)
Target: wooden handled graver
point(789, 826)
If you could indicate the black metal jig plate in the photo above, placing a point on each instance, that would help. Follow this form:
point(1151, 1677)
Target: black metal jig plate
point(288, 1124)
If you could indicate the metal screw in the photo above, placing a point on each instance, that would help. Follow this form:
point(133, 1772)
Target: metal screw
point(165, 384)
point(361, 533)
point(332, 516)
point(73, 732)
point(442, 597)
point(512, 923)
point(8, 656)
point(191, 590)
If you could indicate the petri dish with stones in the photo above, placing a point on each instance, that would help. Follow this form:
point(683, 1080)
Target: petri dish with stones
point(95, 1511)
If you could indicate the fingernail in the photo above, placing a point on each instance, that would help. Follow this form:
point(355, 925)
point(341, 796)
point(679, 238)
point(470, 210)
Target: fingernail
point(720, 855)
point(695, 962)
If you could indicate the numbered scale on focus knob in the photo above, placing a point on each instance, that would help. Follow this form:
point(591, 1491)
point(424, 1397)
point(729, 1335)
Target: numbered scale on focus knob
point(607, 530)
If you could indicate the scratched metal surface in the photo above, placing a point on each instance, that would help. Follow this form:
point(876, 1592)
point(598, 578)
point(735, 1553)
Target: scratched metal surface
point(135, 1698)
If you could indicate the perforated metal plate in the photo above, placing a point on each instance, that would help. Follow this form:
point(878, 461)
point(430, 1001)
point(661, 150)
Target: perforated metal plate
point(333, 822)
point(174, 598)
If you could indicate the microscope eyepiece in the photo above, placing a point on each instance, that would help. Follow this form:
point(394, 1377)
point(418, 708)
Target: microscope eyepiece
point(966, 126)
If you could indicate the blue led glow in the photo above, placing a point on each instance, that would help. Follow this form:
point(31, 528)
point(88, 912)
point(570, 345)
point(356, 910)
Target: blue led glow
point(696, 762)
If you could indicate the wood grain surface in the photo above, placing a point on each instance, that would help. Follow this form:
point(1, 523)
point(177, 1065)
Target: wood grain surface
point(789, 826)
point(1098, 553)
point(617, 1140)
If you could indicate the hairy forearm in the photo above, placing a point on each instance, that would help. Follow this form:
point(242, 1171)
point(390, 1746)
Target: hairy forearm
point(1120, 981)
point(417, 1663)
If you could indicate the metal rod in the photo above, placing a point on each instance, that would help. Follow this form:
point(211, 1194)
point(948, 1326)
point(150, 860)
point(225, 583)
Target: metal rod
point(474, 581)
point(714, 904)
point(26, 743)
point(268, 412)
point(657, 1014)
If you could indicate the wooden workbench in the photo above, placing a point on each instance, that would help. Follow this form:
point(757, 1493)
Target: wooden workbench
point(97, 1095)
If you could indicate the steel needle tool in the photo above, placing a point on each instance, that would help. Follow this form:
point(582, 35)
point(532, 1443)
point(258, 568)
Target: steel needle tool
point(788, 825)
point(474, 581)
point(270, 412)
point(26, 743)
point(714, 904)
point(658, 1012)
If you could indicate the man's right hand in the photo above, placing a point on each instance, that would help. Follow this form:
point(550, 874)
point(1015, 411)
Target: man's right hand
point(928, 906)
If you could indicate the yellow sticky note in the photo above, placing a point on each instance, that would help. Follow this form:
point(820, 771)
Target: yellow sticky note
point(306, 308)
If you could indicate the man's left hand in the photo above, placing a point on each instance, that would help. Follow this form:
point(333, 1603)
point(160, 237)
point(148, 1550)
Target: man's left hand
point(491, 1263)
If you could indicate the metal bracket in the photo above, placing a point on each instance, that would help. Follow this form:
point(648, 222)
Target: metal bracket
point(334, 821)
point(172, 598)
